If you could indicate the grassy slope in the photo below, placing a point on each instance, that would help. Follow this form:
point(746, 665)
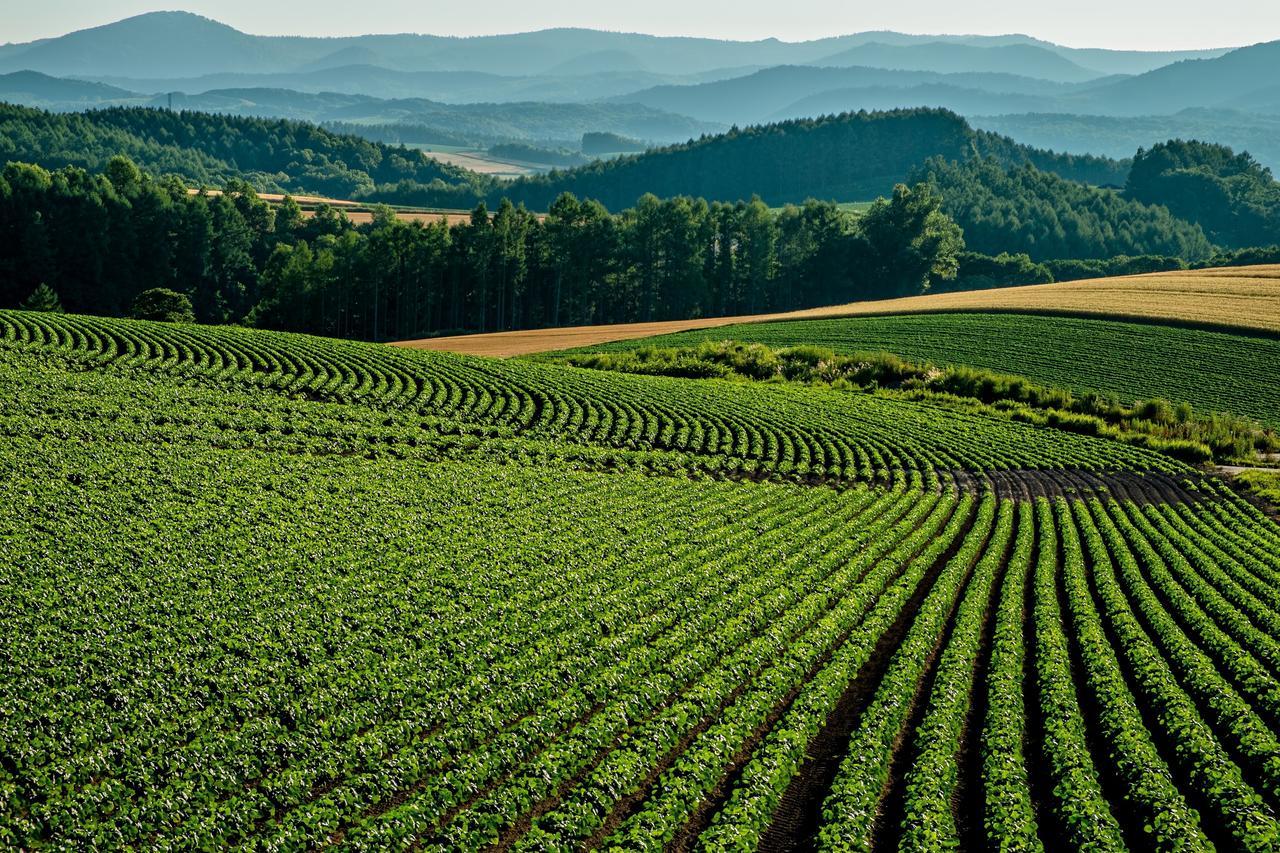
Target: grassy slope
point(1210, 370)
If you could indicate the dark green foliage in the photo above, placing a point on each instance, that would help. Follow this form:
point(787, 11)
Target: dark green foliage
point(610, 143)
point(163, 305)
point(908, 240)
point(1073, 269)
point(1023, 209)
point(43, 298)
point(1234, 199)
point(101, 240)
point(1213, 371)
point(1153, 423)
point(976, 271)
point(848, 157)
point(273, 155)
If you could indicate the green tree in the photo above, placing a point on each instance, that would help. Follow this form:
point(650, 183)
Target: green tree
point(43, 298)
point(160, 303)
point(907, 240)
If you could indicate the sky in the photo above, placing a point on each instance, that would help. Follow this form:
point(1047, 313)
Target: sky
point(1134, 24)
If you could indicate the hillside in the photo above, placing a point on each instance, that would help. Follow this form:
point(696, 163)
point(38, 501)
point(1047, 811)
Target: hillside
point(1027, 60)
point(1022, 209)
point(179, 44)
point(1244, 298)
point(32, 88)
point(273, 155)
point(1119, 137)
point(1238, 79)
point(849, 157)
point(1223, 81)
point(755, 97)
point(1212, 370)
point(391, 596)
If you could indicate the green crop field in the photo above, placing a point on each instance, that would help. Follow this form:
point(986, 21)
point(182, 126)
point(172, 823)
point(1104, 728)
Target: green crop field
point(1210, 370)
point(280, 592)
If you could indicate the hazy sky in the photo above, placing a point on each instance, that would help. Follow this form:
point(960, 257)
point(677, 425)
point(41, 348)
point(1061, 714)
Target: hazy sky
point(1145, 24)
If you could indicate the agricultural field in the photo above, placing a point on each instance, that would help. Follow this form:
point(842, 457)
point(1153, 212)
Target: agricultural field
point(280, 592)
point(1227, 299)
point(1215, 371)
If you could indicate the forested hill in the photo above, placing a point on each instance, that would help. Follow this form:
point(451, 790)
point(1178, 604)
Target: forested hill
point(849, 157)
point(274, 155)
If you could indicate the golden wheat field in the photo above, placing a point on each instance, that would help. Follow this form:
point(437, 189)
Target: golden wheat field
point(1240, 297)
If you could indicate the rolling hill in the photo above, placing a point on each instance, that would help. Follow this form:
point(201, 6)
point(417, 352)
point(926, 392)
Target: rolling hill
point(850, 157)
point(1223, 81)
point(949, 57)
point(31, 88)
point(1244, 300)
point(180, 44)
point(755, 97)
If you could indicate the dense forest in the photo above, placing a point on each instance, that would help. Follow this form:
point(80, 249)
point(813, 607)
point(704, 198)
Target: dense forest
point(1024, 209)
point(99, 240)
point(1233, 198)
point(273, 155)
point(848, 157)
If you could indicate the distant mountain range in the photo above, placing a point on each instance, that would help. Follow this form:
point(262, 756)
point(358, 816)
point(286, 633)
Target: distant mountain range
point(1112, 136)
point(471, 123)
point(180, 44)
point(555, 85)
point(1243, 79)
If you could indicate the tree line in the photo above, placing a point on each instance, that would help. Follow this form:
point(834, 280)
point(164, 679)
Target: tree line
point(99, 240)
point(1026, 210)
point(1231, 196)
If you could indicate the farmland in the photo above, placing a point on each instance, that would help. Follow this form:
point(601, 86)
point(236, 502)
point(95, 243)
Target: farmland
point(1212, 370)
point(282, 592)
point(1228, 298)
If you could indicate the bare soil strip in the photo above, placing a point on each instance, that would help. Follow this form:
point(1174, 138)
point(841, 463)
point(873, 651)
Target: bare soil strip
point(1247, 298)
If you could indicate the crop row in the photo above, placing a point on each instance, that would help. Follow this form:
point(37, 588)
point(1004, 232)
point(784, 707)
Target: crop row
point(796, 431)
point(227, 624)
point(1213, 371)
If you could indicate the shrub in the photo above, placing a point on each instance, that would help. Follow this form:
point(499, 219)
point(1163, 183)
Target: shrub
point(163, 304)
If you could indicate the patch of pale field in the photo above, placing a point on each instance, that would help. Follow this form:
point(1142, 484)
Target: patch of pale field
point(364, 217)
point(1247, 298)
point(482, 165)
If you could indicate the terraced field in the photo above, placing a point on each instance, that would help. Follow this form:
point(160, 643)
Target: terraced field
point(1214, 371)
point(281, 593)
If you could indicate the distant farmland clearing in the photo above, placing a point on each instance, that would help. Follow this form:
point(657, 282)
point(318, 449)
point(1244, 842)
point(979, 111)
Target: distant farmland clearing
point(1233, 297)
point(360, 213)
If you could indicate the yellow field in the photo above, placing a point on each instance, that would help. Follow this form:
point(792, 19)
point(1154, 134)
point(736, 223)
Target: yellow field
point(358, 211)
point(1243, 297)
point(483, 164)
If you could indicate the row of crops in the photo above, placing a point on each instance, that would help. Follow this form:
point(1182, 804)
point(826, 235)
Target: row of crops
point(762, 428)
point(280, 593)
point(1213, 371)
point(281, 649)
